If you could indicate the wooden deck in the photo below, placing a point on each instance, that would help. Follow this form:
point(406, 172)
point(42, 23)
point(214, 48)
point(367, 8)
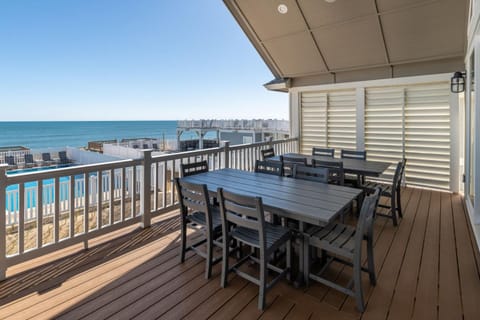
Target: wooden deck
point(427, 269)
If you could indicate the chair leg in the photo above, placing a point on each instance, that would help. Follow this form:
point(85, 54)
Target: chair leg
point(183, 242)
point(263, 281)
point(306, 261)
point(371, 263)
point(393, 210)
point(223, 281)
point(288, 256)
point(208, 271)
point(399, 204)
point(357, 284)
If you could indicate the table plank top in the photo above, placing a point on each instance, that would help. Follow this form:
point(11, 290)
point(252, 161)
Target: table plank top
point(306, 201)
point(357, 166)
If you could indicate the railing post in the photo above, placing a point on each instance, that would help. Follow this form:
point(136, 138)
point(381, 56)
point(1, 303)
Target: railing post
point(145, 206)
point(226, 148)
point(3, 235)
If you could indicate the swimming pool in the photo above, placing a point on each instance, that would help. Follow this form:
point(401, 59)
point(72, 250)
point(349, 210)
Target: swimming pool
point(35, 169)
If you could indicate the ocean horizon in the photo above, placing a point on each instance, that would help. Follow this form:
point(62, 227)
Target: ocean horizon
point(59, 134)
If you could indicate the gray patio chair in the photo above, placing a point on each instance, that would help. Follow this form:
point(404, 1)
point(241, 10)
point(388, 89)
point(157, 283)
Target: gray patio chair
point(310, 173)
point(197, 213)
point(325, 152)
point(268, 153)
point(391, 191)
point(269, 167)
point(243, 220)
point(290, 162)
point(189, 169)
point(354, 179)
point(335, 169)
point(343, 243)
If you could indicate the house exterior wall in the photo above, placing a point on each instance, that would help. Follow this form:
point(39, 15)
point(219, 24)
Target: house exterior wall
point(425, 127)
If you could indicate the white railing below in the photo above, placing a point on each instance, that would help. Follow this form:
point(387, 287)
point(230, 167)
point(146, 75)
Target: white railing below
point(57, 208)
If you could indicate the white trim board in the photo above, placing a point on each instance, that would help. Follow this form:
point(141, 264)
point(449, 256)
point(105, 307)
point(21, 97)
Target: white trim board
point(375, 83)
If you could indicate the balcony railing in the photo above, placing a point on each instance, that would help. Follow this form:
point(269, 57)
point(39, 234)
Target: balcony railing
point(46, 211)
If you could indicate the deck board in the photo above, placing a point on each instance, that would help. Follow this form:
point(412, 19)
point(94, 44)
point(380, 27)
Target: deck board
point(427, 268)
point(450, 306)
point(426, 290)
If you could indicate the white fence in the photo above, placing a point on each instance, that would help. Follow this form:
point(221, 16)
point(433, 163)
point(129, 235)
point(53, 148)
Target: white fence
point(77, 206)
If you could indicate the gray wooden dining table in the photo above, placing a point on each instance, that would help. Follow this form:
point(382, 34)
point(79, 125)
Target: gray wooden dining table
point(301, 200)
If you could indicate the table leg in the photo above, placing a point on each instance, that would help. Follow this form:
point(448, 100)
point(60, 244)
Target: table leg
point(300, 280)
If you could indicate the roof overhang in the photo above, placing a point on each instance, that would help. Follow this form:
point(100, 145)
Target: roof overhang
point(316, 42)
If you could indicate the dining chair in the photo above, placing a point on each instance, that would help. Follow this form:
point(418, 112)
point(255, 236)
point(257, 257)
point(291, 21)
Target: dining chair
point(267, 153)
point(269, 167)
point(310, 173)
point(354, 180)
point(243, 220)
point(335, 169)
point(289, 162)
point(189, 169)
point(197, 213)
point(343, 243)
point(392, 191)
point(325, 152)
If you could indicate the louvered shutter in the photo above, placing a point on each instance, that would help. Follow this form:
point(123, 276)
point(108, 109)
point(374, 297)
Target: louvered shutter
point(427, 135)
point(341, 121)
point(384, 125)
point(314, 121)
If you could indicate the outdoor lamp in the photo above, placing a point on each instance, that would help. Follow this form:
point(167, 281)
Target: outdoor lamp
point(457, 83)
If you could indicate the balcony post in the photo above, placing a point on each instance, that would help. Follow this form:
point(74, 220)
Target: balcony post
point(226, 148)
point(3, 235)
point(145, 206)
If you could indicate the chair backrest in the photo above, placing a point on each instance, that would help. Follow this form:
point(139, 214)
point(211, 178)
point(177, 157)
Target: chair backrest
point(189, 169)
point(28, 158)
point(290, 162)
point(353, 154)
point(310, 173)
point(268, 153)
point(10, 160)
point(46, 156)
point(193, 197)
point(269, 167)
point(325, 152)
point(62, 155)
point(243, 211)
point(397, 177)
point(335, 170)
point(366, 218)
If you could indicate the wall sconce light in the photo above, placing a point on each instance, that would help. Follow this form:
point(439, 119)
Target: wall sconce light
point(457, 83)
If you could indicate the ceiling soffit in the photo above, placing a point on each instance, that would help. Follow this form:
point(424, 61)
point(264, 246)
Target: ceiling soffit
point(316, 37)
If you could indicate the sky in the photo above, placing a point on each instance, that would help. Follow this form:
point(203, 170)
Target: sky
point(129, 60)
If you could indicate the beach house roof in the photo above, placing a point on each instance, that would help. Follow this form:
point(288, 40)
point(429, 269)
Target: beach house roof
point(330, 41)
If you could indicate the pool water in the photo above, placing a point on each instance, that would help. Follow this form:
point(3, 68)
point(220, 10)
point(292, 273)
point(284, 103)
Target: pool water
point(35, 169)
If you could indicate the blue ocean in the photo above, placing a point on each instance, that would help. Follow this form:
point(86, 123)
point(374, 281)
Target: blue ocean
point(57, 134)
